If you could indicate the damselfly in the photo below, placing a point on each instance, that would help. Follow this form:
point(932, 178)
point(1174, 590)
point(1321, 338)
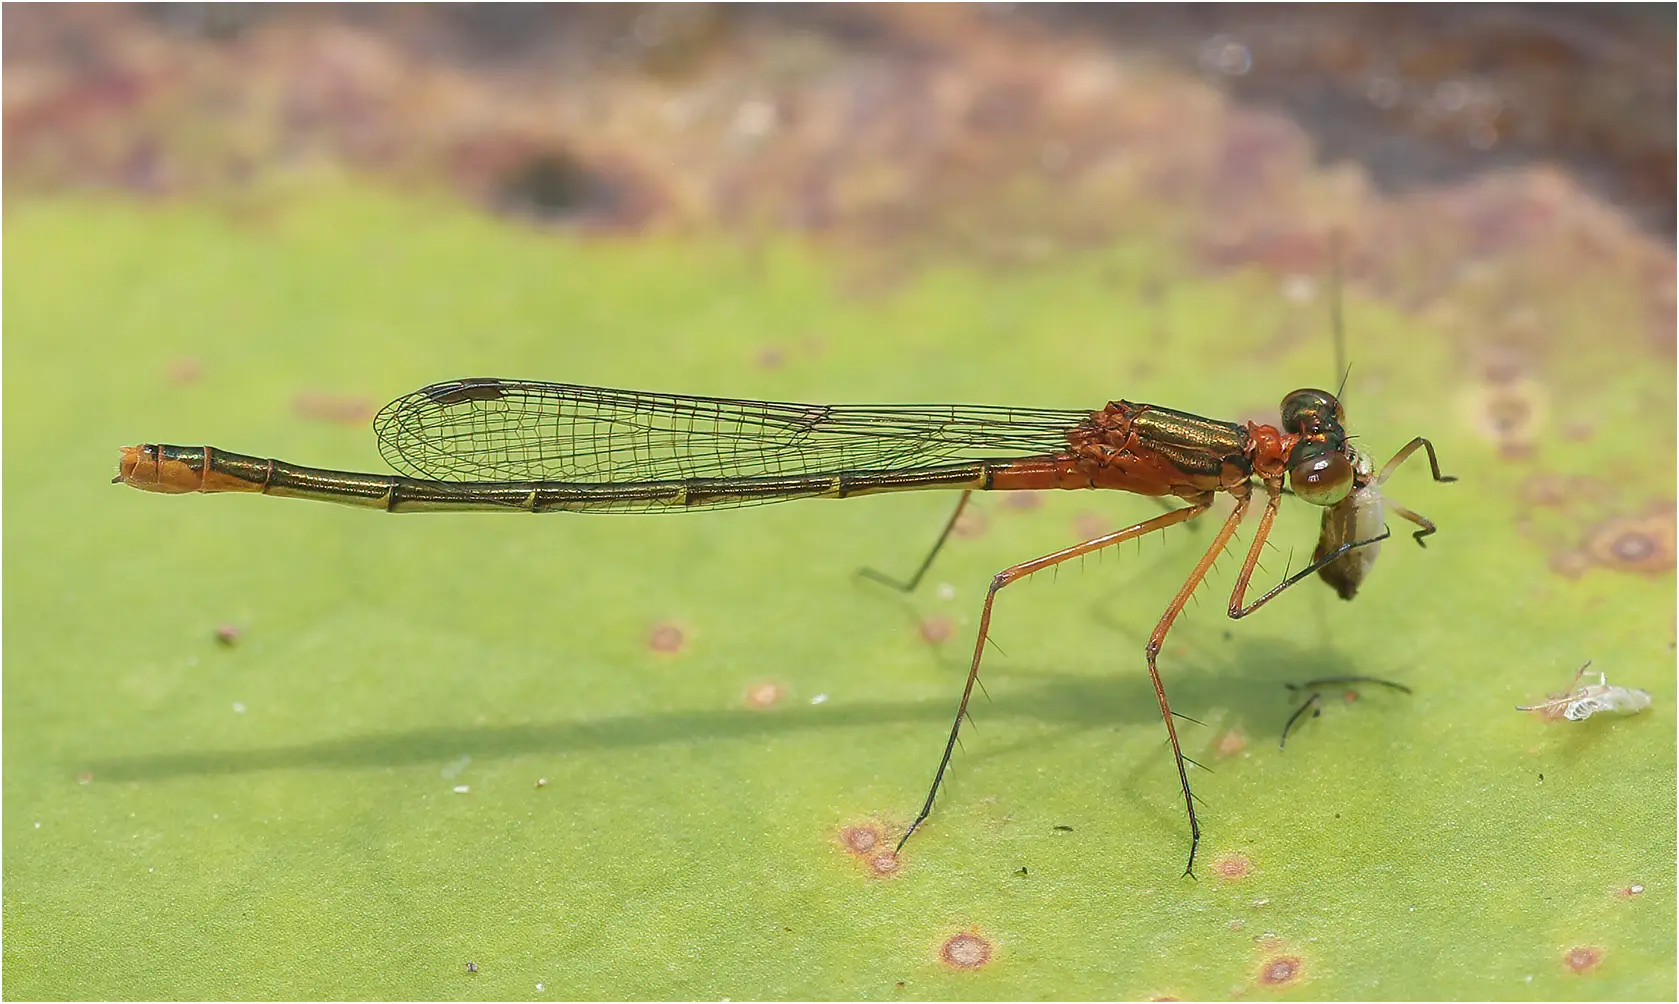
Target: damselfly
point(489, 445)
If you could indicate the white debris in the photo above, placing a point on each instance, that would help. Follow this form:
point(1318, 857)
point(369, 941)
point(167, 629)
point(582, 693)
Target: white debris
point(1581, 702)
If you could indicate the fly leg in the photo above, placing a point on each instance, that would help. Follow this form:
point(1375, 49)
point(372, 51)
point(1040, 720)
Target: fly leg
point(1314, 700)
point(1240, 609)
point(1434, 468)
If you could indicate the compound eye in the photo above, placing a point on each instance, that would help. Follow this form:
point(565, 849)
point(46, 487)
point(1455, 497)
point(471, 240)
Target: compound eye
point(1309, 411)
point(1321, 478)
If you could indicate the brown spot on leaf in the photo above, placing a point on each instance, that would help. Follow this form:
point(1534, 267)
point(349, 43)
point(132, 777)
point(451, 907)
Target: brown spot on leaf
point(1232, 742)
point(935, 630)
point(1089, 524)
point(972, 523)
point(1280, 971)
point(861, 839)
point(1023, 501)
point(227, 634)
point(1232, 866)
point(765, 695)
point(967, 950)
point(869, 844)
point(85, 777)
point(1642, 544)
point(666, 637)
point(183, 371)
point(1583, 958)
point(1510, 414)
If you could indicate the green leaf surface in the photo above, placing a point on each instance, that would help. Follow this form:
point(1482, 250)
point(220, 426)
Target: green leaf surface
point(345, 802)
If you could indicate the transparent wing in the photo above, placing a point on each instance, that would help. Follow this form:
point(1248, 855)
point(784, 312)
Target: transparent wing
point(514, 430)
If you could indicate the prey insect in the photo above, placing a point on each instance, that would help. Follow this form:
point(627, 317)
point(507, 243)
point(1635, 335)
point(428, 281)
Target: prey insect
point(491, 445)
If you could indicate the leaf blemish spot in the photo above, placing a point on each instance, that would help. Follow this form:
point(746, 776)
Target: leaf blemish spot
point(665, 637)
point(1641, 545)
point(966, 951)
point(1024, 501)
point(935, 630)
point(860, 839)
point(884, 864)
point(764, 695)
point(1583, 958)
point(1280, 971)
point(971, 524)
point(1232, 866)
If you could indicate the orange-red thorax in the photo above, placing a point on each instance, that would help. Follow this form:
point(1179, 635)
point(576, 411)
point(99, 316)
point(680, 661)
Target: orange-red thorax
point(1268, 450)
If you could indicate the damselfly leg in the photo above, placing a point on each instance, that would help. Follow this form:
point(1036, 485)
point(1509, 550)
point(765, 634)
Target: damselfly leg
point(927, 562)
point(1238, 608)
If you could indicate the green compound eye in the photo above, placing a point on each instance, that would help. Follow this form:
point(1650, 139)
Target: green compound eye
point(1310, 412)
point(1321, 477)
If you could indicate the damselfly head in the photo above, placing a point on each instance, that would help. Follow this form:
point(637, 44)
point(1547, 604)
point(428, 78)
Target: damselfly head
point(1314, 414)
point(1320, 468)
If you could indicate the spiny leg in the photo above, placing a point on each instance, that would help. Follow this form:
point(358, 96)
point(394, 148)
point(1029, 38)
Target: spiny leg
point(1165, 502)
point(1158, 638)
point(1012, 574)
point(927, 562)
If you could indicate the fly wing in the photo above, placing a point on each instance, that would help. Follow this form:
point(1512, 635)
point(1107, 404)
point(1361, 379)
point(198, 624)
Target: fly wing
point(485, 429)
